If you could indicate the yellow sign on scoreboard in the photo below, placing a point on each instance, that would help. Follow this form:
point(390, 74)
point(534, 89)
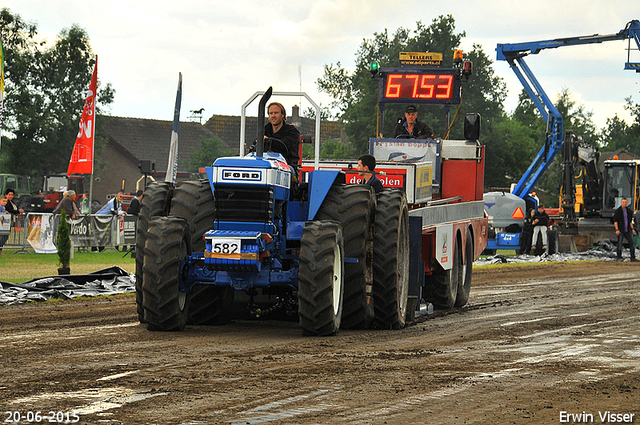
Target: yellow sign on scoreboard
point(421, 58)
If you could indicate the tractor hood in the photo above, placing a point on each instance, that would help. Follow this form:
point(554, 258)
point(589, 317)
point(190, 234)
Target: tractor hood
point(270, 169)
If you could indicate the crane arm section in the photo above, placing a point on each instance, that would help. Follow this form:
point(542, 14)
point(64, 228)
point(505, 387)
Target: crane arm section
point(514, 54)
point(630, 32)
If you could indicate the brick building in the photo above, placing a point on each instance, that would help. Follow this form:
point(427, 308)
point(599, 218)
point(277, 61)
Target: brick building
point(131, 140)
point(227, 128)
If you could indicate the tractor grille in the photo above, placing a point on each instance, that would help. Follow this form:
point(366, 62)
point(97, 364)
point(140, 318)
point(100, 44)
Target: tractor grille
point(244, 203)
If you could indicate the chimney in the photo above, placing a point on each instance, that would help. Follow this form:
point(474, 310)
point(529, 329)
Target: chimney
point(295, 117)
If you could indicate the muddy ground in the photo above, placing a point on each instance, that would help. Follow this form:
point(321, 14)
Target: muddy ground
point(535, 345)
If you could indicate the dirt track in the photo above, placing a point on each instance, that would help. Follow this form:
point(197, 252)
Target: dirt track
point(532, 343)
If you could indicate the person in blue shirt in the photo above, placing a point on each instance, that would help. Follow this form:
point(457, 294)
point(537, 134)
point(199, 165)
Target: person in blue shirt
point(113, 206)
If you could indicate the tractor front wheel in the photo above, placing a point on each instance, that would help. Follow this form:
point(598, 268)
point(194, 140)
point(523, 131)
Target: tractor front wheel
point(321, 278)
point(165, 304)
point(155, 202)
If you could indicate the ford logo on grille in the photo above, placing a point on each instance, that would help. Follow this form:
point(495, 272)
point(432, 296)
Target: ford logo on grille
point(241, 175)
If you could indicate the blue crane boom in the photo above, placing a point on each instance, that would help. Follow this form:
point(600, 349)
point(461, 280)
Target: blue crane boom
point(514, 54)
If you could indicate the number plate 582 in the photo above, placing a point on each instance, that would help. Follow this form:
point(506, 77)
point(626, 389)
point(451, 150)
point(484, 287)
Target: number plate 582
point(225, 246)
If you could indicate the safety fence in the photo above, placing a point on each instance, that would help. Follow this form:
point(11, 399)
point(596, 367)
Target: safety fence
point(38, 231)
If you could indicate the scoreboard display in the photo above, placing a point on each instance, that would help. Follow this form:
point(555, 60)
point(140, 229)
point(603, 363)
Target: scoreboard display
point(420, 85)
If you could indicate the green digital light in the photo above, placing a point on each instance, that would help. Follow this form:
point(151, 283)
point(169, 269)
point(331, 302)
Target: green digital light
point(374, 69)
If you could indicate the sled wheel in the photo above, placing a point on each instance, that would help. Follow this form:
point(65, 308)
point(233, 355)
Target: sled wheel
point(441, 288)
point(464, 282)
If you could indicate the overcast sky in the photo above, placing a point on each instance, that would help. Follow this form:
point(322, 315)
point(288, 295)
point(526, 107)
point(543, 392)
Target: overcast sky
point(228, 50)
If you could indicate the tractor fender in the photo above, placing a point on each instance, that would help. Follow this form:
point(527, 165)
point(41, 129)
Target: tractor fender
point(320, 182)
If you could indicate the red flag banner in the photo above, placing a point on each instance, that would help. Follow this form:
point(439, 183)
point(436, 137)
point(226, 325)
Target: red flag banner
point(82, 156)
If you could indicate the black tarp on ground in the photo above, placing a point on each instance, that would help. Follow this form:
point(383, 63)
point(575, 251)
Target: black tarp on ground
point(605, 251)
point(109, 281)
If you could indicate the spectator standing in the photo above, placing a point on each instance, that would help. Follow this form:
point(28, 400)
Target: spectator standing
point(68, 204)
point(3, 204)
point(134, 206)
point(622, 220)
point(117, 204)
point(11, 206)
point(527, 229)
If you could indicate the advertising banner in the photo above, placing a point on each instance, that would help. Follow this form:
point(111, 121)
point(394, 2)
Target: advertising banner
point(91, 230)
point(81, 161)
point(126, 234)
point(41, 233)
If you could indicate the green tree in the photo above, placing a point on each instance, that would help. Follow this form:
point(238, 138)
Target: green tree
point(517, 139)
point(615, 135)
point(618, 135)
point(63, 242)
point(527, 113)
point(634, 129)
point(210, 150)
point(330, 149)
point(575, 117)
point(45, 92)
point(508, 156)
point(325, 112)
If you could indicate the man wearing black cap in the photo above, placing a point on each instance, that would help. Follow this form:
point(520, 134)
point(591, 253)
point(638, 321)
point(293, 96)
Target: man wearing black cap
point(411, 127)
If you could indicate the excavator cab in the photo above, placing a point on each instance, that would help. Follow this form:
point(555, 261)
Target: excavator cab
point(620, 181)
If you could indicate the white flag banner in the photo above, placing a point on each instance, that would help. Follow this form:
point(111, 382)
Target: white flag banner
point(172, 165)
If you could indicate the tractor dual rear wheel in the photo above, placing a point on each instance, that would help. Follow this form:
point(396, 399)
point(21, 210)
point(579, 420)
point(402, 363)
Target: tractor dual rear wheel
point(391, 260)
point(354, 208)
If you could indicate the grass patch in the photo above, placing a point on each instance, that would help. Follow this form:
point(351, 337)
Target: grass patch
point(19, 268)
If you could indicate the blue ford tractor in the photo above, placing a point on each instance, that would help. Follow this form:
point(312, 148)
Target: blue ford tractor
point(255, 238)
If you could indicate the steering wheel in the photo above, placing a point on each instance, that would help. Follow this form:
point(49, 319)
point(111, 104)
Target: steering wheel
point(283, 144)
point(404, 136)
